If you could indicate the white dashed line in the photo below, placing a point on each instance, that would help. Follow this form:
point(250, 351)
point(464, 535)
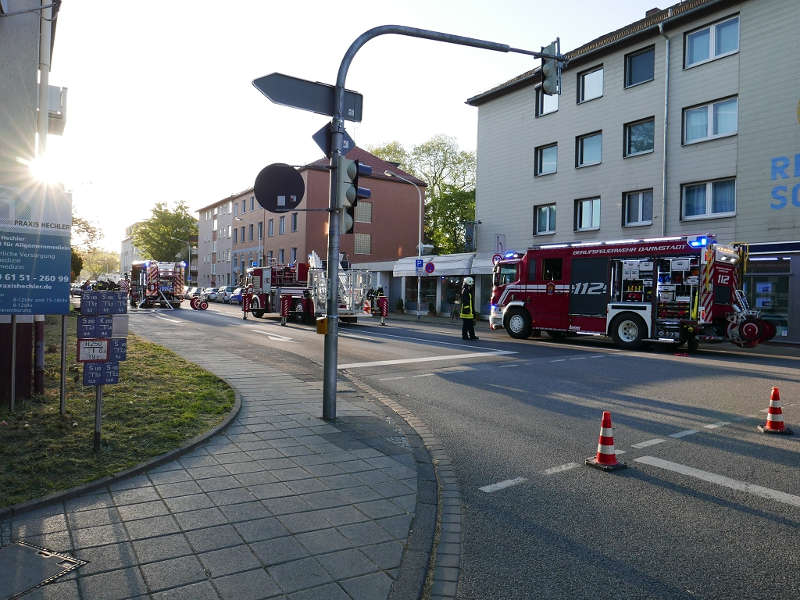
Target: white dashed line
point(560, 468)
point(734, 484)
point(502, 485)
point(424, 375)
point(404, 361)
point(558, 360)
point(716, 425)
point(683, 433)
point(647, 443)
point(391, 378)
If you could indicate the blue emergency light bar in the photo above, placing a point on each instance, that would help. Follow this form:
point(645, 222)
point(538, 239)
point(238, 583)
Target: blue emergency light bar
point(699, 242)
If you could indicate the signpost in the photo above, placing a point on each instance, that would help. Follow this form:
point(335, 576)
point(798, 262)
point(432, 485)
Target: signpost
point(102, 344)
point(308, 95)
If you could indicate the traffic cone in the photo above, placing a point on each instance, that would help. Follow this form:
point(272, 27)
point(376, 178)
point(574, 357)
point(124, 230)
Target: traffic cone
point(606, 457)
point(774, 422)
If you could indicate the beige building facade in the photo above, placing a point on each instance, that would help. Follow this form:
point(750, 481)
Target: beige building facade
point(685, 122)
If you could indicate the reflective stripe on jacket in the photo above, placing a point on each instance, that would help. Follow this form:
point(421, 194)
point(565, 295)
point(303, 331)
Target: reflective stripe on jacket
point(466, 305)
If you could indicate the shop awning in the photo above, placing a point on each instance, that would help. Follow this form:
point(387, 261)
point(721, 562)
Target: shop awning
point(449, 264)
point(482, 264)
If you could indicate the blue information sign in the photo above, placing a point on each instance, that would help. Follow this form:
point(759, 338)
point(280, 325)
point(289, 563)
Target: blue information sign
point(35, 226)
point(419, 263)
point(118, 349)
point(100, 373)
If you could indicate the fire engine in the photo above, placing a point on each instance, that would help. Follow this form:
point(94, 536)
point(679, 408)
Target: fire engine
point(299, 291)
point(676, 289)
point(156, 283)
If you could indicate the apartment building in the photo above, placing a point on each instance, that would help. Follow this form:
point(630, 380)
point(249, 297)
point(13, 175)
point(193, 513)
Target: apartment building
point(214, 231)
point(685, 122)
point(385, 224)
point(128, 253)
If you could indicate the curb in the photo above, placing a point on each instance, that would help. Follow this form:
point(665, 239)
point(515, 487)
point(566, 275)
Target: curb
point(15, 509)
point(430, 566)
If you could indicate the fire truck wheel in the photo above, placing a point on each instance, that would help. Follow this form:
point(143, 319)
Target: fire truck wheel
point(628, 330)
point(258, 313)
point(518, 323)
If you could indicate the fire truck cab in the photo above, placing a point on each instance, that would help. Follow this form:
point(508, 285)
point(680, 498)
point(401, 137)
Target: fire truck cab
point(677, 290)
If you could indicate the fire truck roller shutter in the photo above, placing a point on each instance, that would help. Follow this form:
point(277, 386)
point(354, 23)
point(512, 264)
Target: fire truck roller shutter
point(589, 286)
point(628, 330)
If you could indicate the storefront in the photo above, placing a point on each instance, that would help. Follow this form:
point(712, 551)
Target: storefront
point(440, 281)
point(772, 286)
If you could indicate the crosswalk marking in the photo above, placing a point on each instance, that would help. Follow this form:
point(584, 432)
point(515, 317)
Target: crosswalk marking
point(502, 485)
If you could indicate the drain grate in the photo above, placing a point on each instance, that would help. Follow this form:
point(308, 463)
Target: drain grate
point(26, 567)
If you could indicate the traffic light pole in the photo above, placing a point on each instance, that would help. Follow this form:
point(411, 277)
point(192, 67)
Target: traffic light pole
point(336, 149)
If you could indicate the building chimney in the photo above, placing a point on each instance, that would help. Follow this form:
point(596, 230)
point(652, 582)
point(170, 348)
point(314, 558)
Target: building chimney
point(652, 11)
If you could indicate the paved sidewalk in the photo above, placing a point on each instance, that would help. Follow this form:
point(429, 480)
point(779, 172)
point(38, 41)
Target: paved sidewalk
point(279, 505)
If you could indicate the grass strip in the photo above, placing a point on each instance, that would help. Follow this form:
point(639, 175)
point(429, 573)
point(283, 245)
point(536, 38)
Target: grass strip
point(161, 401)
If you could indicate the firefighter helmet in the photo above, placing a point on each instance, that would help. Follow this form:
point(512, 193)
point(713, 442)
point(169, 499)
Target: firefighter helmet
point(469, 281)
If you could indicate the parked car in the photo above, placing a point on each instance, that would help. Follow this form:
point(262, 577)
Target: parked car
point(188, 292)
point(210, 293)
point(224, 292)
point(75, 289)
point(236, 296)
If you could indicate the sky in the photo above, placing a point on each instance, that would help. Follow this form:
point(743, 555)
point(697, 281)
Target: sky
point(161, 105)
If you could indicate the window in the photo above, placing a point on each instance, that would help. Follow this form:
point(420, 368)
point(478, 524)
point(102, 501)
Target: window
point(252, 202)
point(228, 232)
point(362, 243)
point(363, 213)
point(282, 225)
point(587, 214)
point(717, 119)
point(293, 254)
point(214, 224)
point(546, 160)
point(637, 208)
point(639, 66)
point(294, 222)
point(590, 85)
point(551, 269)
point(281, 257)
point(708, 199)
point(235, 209)
point(269, 257)
point(544, 219)
point(271, 227)
point(242, 235)
point(589, 149)
point(250, 231)
point(261, 230)
point(545, 103)
point(712, 42)
point(230, 207)
point(244, 206)
point(639, 137)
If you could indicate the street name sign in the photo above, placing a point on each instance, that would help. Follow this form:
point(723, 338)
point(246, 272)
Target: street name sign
point(100, 373)
point(308, 95)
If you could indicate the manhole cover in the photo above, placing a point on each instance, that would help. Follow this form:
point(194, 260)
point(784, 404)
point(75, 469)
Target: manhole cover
point(25, 567)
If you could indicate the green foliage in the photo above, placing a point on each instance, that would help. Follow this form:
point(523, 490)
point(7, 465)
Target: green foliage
point(99, 262)
point(165, 234)
point(84, 235)
point(449, 174)
point(76, 264)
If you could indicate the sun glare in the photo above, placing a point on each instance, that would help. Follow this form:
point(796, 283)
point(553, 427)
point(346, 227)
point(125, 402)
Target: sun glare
point(43, 169)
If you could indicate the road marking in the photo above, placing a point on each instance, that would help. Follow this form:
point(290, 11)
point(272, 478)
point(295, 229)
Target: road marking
point(598, 356)
point(559, 360)
point(424, 375)
point(508, 388)
point(734, 484)
point(403, 361)
point(683, 433)
point(502, 485)
point(647, 443)
point(163, 318)
point(273, 336)
point(579, 358)
point(391, 378)
point(560, 468)
point(380, 334)
point(716, 425)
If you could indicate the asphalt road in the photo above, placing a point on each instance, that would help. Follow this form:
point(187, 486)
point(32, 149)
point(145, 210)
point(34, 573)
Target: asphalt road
point(707, 508)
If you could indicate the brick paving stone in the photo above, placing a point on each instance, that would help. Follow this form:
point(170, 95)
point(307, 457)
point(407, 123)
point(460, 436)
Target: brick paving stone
point(197, 519)
point(186, 503)
point(397, 526)
point(207, 472)
point(152, 527)
point(169, 476)
point(323, 540)
point(181, 488)
point(228, 560)
point(342, 515)
point(218, 483)
point(136, 495)
point(88, 502)
point(305, 521)
point(250, 585)
point(162, 547)
point(38, 526)
point(386, 555)
point(346, 563)
point(58, 541)
point(99, 536)
point(106, 558)
point(329, 591)
point(377, 509)
point(325, 499)
point(299, 574)
point(278, 550)
point(245, 511)
point(172, 572)
point(213, 538)
point(234, 496)
point(374, 586)
point(362, 534)
point(144, 510)
point(113, 585)
point(270, 490)
point(261, 529)
point(194, 591)
point(59, 590)
point(129, 483)
point(256, 478)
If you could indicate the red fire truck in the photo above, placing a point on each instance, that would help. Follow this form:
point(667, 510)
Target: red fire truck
point(677, 290)
point(156, 283)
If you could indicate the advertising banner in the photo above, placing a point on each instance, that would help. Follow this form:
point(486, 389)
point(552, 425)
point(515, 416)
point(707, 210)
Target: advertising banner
point(35, 251)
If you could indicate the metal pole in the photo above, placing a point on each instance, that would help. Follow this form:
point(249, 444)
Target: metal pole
point(13, 363)
point(63, 394)
point(419, 253)
point(98, 416)
point(38, 371)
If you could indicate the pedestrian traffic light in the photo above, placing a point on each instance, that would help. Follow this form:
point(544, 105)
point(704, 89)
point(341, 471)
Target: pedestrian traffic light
point(348, 192)
point(551, 69)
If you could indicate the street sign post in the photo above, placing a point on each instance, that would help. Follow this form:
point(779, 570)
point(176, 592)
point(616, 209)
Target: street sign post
point(308, 95)
point(323, 139)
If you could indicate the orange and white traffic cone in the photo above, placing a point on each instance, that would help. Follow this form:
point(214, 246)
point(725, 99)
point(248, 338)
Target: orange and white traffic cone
point(606, 457)
point(774, 422)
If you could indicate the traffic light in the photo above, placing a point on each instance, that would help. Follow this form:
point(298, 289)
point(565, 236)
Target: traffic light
point(348, 192)
point(551, 69)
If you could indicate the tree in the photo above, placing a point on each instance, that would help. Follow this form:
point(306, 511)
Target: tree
point(449, 174)
point(76, 264)
point(99, 262)
point(84, 235)
point(166, 233)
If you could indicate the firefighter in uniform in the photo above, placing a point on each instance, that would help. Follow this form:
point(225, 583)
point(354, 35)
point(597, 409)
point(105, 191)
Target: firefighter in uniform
point(468, 315)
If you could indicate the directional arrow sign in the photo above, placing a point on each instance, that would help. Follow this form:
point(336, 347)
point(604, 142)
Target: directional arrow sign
point(308, 95)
